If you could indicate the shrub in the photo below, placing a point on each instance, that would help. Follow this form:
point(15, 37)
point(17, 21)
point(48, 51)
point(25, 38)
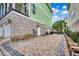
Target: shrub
point(15, 38)
point(27, 36)
point(21, 37)
point(46, 33)
point(75, 36)
point(78, 40)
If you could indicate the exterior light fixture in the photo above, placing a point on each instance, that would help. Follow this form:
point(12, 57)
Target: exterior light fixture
point(9, 21)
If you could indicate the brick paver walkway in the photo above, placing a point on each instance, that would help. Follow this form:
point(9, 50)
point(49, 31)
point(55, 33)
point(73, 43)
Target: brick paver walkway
point(50, 45)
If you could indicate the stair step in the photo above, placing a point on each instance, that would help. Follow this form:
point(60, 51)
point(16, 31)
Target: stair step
point(4, 52)
point(76, 54)
point(1, 54)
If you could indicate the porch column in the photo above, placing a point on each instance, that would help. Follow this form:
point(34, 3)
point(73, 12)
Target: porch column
point(7, 7)
point(1, 10)
point(13, 5)
point(4, 8)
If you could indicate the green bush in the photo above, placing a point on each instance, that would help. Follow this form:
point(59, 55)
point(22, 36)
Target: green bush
point(60, 25)
point(67, 30)
point(78, 40)
point(75, 36)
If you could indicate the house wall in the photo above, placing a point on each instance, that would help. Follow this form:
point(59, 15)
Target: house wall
point(5, 28)
point(42, 13)
point(21, 25)
point(75, 26)
point(74, 20)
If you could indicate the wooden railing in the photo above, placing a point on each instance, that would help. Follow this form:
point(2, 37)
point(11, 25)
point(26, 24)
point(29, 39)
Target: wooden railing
point(73, 47)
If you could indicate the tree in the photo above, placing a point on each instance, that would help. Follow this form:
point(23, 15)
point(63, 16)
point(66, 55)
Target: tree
point(59, 25)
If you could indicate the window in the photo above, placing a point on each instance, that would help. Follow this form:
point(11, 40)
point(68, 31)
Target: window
point(33, 9)
point(2, 9)
point(73, 13)
point(19, 6)
point(26, 8)
point(10, 6)
point(5, 8)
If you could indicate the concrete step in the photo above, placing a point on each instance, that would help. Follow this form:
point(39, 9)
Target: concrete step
point(11, 50)
point(4, 52)
point(1, 54)
point(76, 54)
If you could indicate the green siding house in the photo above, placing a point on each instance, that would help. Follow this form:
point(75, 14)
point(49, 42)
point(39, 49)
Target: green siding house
point(41, 13)
point(20, 19)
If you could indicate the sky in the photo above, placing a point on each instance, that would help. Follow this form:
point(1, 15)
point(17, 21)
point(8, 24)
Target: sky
point(59, 11)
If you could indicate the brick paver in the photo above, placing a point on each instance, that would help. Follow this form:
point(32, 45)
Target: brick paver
point(40, 46)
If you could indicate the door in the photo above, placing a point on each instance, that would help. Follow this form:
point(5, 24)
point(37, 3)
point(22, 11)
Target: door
point(7, 30)
point(38, 31)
